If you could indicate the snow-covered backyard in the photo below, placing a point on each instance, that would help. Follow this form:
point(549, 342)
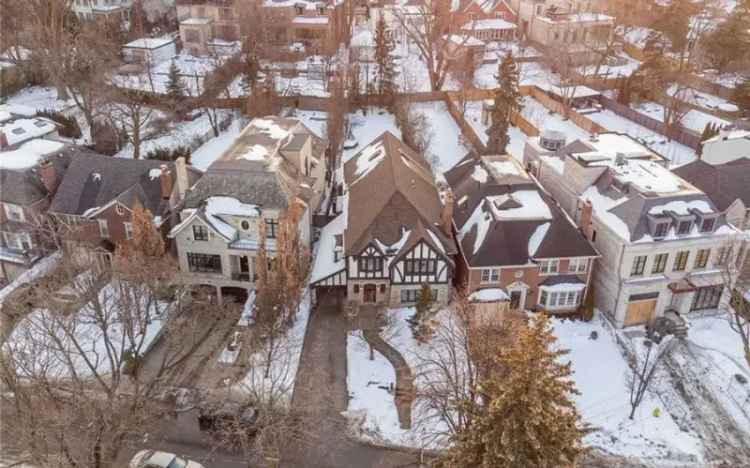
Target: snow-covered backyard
point(544, 119)
point(446, 146)
point(694, 120)
point(474, 117)
point(366, 127)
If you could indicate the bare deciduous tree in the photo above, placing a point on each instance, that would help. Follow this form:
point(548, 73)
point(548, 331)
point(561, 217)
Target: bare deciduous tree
point(643, 368)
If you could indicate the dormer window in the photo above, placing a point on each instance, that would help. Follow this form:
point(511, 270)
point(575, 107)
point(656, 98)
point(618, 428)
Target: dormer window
point(684, 227)
point(661, 230)
point(707, 225)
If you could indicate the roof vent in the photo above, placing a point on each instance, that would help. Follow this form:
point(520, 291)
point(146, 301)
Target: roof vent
point(620, 159)
point(552, 140)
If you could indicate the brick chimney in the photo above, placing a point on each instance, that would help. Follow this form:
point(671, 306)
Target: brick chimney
point(48, 176)
point(166, 182)
point(446, 216)
point(181, 177)
point(584, 220)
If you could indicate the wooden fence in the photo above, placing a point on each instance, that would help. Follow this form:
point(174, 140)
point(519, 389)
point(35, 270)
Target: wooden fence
point(556, 106)
point(466, 129)
point(679, 133)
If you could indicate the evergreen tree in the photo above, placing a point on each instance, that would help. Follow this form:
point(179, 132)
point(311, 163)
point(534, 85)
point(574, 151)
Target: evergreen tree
point(386, 67)
point(175, 86)
point(526, 416)
point(507, 101)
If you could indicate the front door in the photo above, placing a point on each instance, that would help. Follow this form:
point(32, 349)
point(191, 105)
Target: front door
point(515, 299)
point(370, 293)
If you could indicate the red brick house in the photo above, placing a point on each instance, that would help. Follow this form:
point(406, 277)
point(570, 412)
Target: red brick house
point(514, 239)
point(475, 10)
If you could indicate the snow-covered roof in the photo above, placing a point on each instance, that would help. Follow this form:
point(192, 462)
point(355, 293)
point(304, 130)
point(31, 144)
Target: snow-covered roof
point(28, 154)
point(467, 41)
point(735, 134)
point(488, 295)
point(485, 24)
point(578, 91)
point(20, 130)
point(150, 42)
point(196, 21)
point(580, 17)
point(363, 37)
point(310, 20)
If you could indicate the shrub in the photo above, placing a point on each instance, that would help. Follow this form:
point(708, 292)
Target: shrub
point(169, 154)
point(69, 125)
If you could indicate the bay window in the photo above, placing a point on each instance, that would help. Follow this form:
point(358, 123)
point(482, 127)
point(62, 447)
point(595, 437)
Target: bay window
point(559, 299)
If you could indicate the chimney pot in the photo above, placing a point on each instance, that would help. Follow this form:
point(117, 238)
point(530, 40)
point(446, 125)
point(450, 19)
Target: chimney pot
point(48, 176)
point(166, 182)
point(584, 220)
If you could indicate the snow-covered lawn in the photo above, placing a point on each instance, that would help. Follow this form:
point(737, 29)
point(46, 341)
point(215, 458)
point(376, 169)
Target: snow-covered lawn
point(694, 120)
point(529, 73)
point(600, 374)
point(209, 151)
point(39, 98)
point(517, 137)
point(278, 387)
point(676, 152)
point(722, 349)
point(446, 146)
point(623, 65)
point(543, 119)
point(367, 127)
point(699, 98)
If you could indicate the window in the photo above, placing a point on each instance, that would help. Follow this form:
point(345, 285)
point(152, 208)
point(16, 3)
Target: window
point(724, 256)
point(661, 229)
point(577, 265)
point(701, 259)
point(660, 263)
point(245, 225)
point(200, 232)
point(707, 225)
point(414, 267)
point(370, 264)
point(548, 267)
point(14, 212)
point(559, 299)
point(409, 295)
point(128, 230)
point(18, 240)
point(707, 297)
point(204, 263)
point(490, 275)
point(680, 261)
point(103, 228)
point(684, 227)
point(271, 226)
point(639, 265)
point(356, 289)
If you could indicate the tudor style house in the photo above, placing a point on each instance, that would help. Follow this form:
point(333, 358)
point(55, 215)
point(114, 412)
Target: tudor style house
point(664, 244)
point(391, 234)
point(513, 239)
point(97, 195)
point(275, 167)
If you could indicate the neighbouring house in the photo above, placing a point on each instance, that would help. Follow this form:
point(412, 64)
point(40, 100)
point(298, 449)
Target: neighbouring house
point(275, 169)
point(476, 10)
point(391, 235)
point(97, 195)
point(491, 29)
point(19, 124)
point(151, 51)
point(729, 145)
point(573, 27)
point(464, 49)
point(362, 45)
point(515, 243)
point(664, 244)
point(576, 96)
point(102, 10)
point(204, 24)
point(28, 180)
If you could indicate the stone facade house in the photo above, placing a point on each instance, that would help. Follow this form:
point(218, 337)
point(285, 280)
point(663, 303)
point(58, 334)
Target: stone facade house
point(664, 243)
point(391, 234)
point(514, 240)
point(274, 165)
point(205, 24)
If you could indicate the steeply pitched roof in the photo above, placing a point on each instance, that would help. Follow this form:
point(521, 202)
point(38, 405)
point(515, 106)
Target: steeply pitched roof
point(24, 186)
point(504, 218)
point(723, 183)
point(390, 188)
point(93, 180)
point(267, 189)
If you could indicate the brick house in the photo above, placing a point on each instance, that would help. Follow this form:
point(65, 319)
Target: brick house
point(204, 24)
point(487, 20)
point(97, 195)
point(513, 237)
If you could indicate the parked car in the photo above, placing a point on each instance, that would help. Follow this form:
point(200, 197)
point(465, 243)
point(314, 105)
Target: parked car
point(157, 459)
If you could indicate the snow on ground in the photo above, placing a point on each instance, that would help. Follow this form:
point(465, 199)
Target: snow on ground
point(370, 404)
point(39, 269)
point(39, 98)
point(209, 151)
point(188, 133)
point(729, 80)
point(699, 98)
point(622, 65)
point(314, 120)
point(694, 120)
point(722, 349)
point(278, 387)
point(543, 119)
point(446, 147)
point(674, 151)
point(529, 73)
point(600, 374)
point(367, 127)
point(517, 138)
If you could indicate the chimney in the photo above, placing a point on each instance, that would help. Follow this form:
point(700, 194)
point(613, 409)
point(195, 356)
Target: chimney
point(446, 216)
point(48, 176)
point(166, 182)
point(181, 177)
point(3, 140)
point(584, 220)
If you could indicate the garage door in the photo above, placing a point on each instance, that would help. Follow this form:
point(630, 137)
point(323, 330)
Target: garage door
point(640, 311)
